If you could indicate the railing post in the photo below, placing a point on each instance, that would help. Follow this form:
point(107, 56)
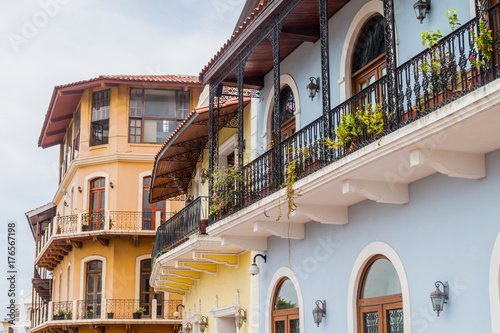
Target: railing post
point(106, 220)
point(51, 306)
point(154, 309)
point(140, 217)
point(103, 309)
point(390, 56)
point(54, 225)
point(79, 223)
point(158, 219)
point(74, 310)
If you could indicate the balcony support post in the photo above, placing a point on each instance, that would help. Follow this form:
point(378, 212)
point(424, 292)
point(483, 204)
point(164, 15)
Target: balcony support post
point(390, 58)
point(54, 225)
point(154, 309)
point(274, 37)
point(103, 309)
point(50, 310)
point(74, 311)
point(325, 64)
point(79, 223)
point(106, 220)
point(158, 219)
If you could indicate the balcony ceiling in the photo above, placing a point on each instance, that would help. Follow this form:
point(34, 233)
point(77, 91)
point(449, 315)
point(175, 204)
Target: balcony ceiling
point(301, 25)
point(175, 164)
point(42, 216)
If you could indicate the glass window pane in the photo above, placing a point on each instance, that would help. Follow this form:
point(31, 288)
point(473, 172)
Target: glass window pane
point(146, 265)
point(395, 321)
point(381, 280)
point(103, 198)
point(294, 326)
point(279, 326)
point(147, 181)
point(158, 130)
point(286, 296)
point(146, 199)
point(99, 283)
point(370, 322)
point(370, 43)
point(159, 204)
point(99, 265)
point(90, 285)
point(159, 103)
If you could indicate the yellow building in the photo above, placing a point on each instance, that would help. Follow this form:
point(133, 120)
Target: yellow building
point(94, 241)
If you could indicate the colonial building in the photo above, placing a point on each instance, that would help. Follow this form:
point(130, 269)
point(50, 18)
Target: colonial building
point(362, 166)
point(94, 241)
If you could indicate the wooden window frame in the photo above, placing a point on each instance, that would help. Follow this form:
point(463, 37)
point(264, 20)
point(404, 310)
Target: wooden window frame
point(151, 293)
point(285, 314)
point(94, 223)
point(376, 304)
point(137, 103)
point(101, 108)
point(153, 208)
point(96, 273)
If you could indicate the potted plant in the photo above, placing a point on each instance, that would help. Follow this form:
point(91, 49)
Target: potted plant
point(111, 223)
point(54, 317)
point(90, 314)
point(61, 314)
point(68, 315)
point(85, 227)
point(58, 229)
point(138, 312)
point(110, 315)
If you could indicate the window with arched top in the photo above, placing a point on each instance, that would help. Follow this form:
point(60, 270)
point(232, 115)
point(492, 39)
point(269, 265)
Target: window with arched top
point(97, 203)
point(287, 114)
point(368, 58)
point(93, 287)
point(285, 315)
point(380, 301)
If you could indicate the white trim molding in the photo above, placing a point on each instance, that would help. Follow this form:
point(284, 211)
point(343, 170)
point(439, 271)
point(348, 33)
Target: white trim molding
point(285, 80)
point(495, 286)
point(69, 282)
point(86, 188)
point(82, 274)
point(283, 272)
point(372, 249)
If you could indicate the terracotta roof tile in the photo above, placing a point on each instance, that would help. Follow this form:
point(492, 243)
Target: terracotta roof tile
point(181, 79)
point(237, 32)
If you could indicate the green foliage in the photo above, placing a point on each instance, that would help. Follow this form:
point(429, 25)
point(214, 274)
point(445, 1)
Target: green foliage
point(281, 304)
point(484, 44)
point(432, 37)
point(61, 312)
point(140, 310)
point(224, 187)
point(365, 120)
point(453, 20)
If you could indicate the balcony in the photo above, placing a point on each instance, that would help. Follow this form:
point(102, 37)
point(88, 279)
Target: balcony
point(438, 79)
point(191, 220)
point(81, 226)
point(106, 312)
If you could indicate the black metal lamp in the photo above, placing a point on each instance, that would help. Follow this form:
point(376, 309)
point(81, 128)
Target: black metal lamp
point(203, 324)
point(312, 87)
point(188, 328)
point(440, 298)
point(240, 318)
point(79, 189)
point(319, 312)
point(177, 313)
point(254, 269)
point(111, 185)
point(422, 7)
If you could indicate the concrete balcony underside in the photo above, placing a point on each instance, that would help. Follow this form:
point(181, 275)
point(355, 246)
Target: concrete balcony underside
point(452, 140)
point(86, 323)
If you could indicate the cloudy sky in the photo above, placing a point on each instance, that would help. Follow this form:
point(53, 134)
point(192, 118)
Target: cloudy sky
point(44, 43)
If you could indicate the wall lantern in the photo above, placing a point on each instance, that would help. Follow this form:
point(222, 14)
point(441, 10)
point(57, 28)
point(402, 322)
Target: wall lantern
point(313, 87)
point(79, 189)
point(319, 312)
point(203, 324)
point(240, 318)
point(254, 269)
point(188, 328)
point(111, 185)
point(422, 7)
point(177, 313)
point(440, 298)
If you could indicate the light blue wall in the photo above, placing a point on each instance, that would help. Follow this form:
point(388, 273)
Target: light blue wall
point(446, 232)
point(305, 61)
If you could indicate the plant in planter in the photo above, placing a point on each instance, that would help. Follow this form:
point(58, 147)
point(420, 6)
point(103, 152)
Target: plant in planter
point(90, 313)
point(59, 229)
point(68, 315)
point(138, 312)
point(61, 314)
point(110, 315)
point(484, 44)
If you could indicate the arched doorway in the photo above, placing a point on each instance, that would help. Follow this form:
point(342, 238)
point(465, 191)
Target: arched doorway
point(286, 114)
point(285, 312)
point(380, 300)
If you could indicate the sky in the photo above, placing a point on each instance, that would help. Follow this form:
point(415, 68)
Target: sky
point(45, 43)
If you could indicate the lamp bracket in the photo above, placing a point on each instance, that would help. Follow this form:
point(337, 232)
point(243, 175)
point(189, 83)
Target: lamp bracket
point(446, 289)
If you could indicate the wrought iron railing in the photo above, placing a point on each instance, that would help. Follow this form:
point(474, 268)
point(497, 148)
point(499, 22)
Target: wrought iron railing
point(121, 308)
point(435, 77)
point(62, 310)
point(191, 219)
point(67, 224)
point(168, 309)
point(88, 309)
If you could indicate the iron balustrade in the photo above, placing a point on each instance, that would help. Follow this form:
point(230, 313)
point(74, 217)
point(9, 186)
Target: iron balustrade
point(88, 309)
point(67, 224)
point(121, 308)
point(188, 221)
point(433, 78)
point(62, 310)
point(168, 309)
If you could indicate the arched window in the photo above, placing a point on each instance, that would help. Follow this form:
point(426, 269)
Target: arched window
point(287, 114)
point(147, 293)
point(97, 203)
point(148, 209)
point(368, 59)
point(93, 287)
point(380, 301)
point(68, 283)
point(285, 315)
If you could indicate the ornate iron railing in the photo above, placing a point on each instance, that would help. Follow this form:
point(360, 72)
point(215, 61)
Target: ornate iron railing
point(93, 221)
point(168, 309)
point(435, 77)
point(62, 310)
point(191, 219)
point(121, 308)
point(88, 309)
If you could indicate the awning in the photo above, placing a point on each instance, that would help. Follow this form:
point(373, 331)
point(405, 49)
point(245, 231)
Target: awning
point(175, 163)
point(42, 215)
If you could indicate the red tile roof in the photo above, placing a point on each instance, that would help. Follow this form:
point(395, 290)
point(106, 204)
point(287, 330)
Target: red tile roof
point(180, 79)
point(237, 32)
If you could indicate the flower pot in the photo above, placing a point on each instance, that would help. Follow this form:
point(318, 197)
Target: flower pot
point(90, 315)
point(137, 315)
point(110, 315)
point(54, 317)
point(85, 227)
point(68, 316)
point(58, 231)
point(60, 316)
